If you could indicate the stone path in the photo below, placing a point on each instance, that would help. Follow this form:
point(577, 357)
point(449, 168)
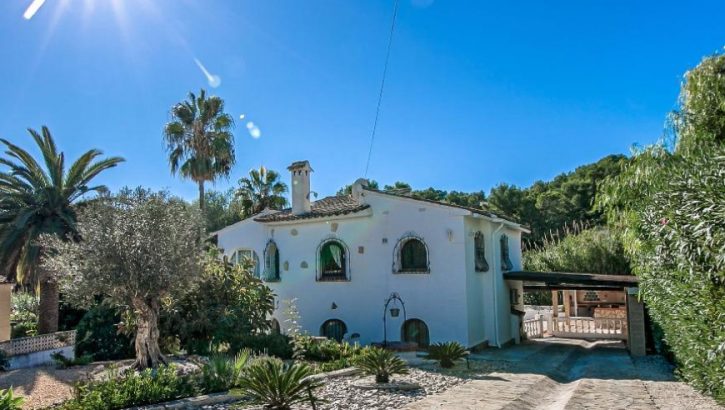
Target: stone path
point(558, 374)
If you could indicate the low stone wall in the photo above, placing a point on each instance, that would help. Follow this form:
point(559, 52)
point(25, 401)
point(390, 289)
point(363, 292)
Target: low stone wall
point(610, 313)
point(36, 350)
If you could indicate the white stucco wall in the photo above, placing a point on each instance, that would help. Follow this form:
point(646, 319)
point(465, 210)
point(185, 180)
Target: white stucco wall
point(454, 301)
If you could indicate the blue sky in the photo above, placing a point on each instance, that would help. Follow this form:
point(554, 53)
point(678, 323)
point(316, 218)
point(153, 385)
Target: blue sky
point(477, 93)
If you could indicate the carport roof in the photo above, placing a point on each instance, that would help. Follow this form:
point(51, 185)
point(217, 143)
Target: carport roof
point(565, 280)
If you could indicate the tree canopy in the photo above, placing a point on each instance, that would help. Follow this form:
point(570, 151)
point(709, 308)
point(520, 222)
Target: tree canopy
point(139, 249)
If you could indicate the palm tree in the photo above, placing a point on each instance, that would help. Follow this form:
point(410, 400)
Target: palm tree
point(199, 140)
point(36, 201)
point(261, 190)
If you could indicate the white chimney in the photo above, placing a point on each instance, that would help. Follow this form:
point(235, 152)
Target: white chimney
point(300, 187)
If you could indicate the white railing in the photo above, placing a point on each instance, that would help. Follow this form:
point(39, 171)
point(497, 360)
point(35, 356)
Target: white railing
point(32, 344)
point(534, 328)
point(596, 328)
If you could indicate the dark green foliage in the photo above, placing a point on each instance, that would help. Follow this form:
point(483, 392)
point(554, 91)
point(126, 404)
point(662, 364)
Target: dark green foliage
point(261, 190)
point(226, 305)
point(4, 363)
point(278, 386)
point(223, 372)
point(308, 348)
point(670, 206)
point(380, 363)
point(447, 353)
point(63, 362)
point(132, 389)
point(221, 209)
point(8, 401)
point(98, 335)
point(594, 250)
point(277, 345)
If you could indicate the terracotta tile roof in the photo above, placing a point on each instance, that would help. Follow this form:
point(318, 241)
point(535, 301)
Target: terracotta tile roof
point(330, 206)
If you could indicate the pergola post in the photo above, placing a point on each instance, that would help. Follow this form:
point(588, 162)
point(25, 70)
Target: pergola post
point(636, 342)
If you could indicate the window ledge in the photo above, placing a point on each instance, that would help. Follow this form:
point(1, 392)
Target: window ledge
point(328, 279)
point(413, 272)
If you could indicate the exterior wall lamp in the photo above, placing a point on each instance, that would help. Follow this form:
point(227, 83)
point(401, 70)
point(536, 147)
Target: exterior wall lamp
point(394, 312)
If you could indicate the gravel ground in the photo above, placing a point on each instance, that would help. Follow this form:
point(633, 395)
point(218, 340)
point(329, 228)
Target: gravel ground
point(45, 386)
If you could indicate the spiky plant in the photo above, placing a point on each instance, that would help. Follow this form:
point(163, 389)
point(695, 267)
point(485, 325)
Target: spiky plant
point(223, 372)
point(277, 386)
point(380, 363)
point(447, 353)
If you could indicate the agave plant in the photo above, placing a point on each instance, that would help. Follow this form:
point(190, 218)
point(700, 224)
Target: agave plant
point(277, 386)
point(380, 363)
point(447, 353)
point(223, 372)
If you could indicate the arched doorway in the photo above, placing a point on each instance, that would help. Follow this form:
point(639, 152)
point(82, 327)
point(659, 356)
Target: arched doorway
point(415, 330)
point(333, 329)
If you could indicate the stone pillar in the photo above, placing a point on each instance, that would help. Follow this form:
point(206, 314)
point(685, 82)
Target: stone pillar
point(566, 295)
point(554, 303)
point(636, 339)
point(5, 292)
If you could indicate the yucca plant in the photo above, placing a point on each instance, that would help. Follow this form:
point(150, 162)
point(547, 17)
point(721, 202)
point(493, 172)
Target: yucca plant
point(9, 401)
point(447, 353)
point(380, 363)
point(277, 386)
point(223, 372)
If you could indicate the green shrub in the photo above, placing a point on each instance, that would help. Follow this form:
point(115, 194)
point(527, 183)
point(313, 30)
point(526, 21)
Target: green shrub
point(278, 386)
point(277, 345)
point(132, 389)
point(309, 348)
point(8, 401)
point(380, 363)
point(97, 335)
point(228, 305)
point(63, 362)
point(447, 353)
point(24, 314)
point(222, 372)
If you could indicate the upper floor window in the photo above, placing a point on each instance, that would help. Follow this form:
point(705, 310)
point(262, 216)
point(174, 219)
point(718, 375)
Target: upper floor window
point(480, 252)
point(411, 256)
point(246, 257)
point(505, 259)
point(271, 262)
point(333, 261)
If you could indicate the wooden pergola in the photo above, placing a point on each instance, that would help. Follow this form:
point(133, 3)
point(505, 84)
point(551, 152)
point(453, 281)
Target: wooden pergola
point(568, 281)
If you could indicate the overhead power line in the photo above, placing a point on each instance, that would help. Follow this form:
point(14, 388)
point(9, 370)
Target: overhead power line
point(382, 87)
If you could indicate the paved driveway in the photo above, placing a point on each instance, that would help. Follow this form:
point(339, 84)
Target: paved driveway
point(552, 374)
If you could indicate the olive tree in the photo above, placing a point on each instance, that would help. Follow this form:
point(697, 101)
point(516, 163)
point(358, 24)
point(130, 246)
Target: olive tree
point(138, 249)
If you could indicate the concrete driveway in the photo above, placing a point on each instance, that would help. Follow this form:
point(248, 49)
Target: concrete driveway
point(552, 373)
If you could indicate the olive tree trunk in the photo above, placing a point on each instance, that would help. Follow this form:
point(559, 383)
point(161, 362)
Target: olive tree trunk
point(148, 353)
point(48, 303)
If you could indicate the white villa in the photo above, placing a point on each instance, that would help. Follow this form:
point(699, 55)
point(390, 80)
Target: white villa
point(342, 257)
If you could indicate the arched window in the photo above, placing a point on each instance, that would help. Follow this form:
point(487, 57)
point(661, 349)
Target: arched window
point(271, 262)
point(505, 259)
point(246, 257)
point(333, 261)
point(415, 330)
point(274, 327)
point(333, 329)
point(480, 252)
point(411, 256)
